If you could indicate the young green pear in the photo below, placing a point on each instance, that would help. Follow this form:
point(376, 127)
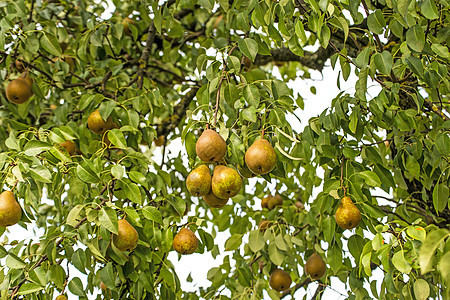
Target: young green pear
point(198, 181)
point(127, 238)
point(261, 157)
point(10, 211)
point(347, 214)
point(315, 266)
point(226, 182)
point(210, 146)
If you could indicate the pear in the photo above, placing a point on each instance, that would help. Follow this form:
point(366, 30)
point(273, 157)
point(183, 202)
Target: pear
point(18, 91)
point(159, 141)
point(127, 238)
point(185, 241)
point(347, 214)
point(263, 225)
point(315, 266)
point(69, 146)
point(280, 280)
point(265, 202)
point(211, 146)
point(226, 182)
point(61, 297)
point(97, 125)
point(198, 181)
point(214, 201)
point(300, 206)
point(19, 65)
point(274, 202)
point(10, 211)
point(261, 157)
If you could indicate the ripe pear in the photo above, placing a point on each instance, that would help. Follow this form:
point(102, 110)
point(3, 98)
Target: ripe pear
point(69, 146)
point(97, 125)
point(127, 238)
point(61, 297)
point(263, 225)
point(213, 201)
point(315, 266)
point(211, 146)
point(226, 182)
point(19, 65)
point(347, 214)
point(18, 91)
point(300, 206)
point(185, 241)
point(159, 141)
point(280, 280)
point(261, 157)
point(265, 202)
point(198, 181)
point(10, 211)
point(274, 202)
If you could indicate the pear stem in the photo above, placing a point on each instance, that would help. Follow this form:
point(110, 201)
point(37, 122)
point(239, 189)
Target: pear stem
point(262, 133)
point(342, 176)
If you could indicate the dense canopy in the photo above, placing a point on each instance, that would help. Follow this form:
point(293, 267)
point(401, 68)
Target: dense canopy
point(92, 90)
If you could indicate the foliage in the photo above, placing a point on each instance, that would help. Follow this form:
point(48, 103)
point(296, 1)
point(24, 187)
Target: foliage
point(172, 68)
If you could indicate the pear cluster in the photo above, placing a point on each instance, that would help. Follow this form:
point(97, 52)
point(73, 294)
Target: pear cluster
point(19, 90)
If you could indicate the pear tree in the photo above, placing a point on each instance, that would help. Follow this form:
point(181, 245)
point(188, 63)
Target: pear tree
point(135, 130)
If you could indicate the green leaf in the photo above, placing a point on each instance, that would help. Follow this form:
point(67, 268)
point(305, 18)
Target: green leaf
point(416, 232)
point(376, 22)
point(276, 255)
point(370, 178)
point(117, 171)
point(76, 287)
point(41, 174)
point(107, 276)
point(131, 191)
point(383, 62)
point(30, 288)
point(413, 166)
point(117, 139)
point(35, 147)
point(152, 213)
point(444, 267)
point(14, 262)
point(429, 9)
point(415, 65)
point(251, 94)
point(440, 196)
point(108, 219)
point(86, 174)
point(421, 289)
point(233, 242)
point(400, 263)
point(50, 43)
point(256, 240)
point(415, 38)
point(434, 239)
point(208, 4)
point(249, 114)
point(300, 30)
point(249, 47)
point(78, 259)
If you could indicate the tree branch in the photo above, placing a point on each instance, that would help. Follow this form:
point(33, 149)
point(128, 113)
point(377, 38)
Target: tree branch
point(292, 290)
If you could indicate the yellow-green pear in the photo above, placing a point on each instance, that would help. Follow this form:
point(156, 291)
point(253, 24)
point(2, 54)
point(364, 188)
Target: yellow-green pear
point(347, 214)
point(210, 146)
point(261, 157)
point(315, 266)
point(61, 297)
point(185, 241)
point(198, 181)
point(97, 125)
point(127, 238)
point(226, 182)
point(10, 211)
point(18, 91)
point(274, 202)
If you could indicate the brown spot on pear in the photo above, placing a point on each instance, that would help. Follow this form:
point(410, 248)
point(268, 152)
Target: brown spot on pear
point(261, 157)
point(18, 91)
point(210, 146)
point(97, 125)
point(214, 201)
point(347, 214)
point(10, 211)
point(226, 182)
point(315, 266)
point(198, 181)
point(280, 280)
point(127, 238)
point(274, 202)
point(185, 241)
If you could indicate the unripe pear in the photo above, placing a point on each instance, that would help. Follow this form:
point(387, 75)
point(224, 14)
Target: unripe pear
point(127, 238)
point(198, 181)
point(185, 241)
point(97, 125)
point(280, 280)
point(10, 211)
point(18, 91)
point(226, 182)
point(315, 266)
point(347, 214)
point(210, 146)
point(261, 157)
